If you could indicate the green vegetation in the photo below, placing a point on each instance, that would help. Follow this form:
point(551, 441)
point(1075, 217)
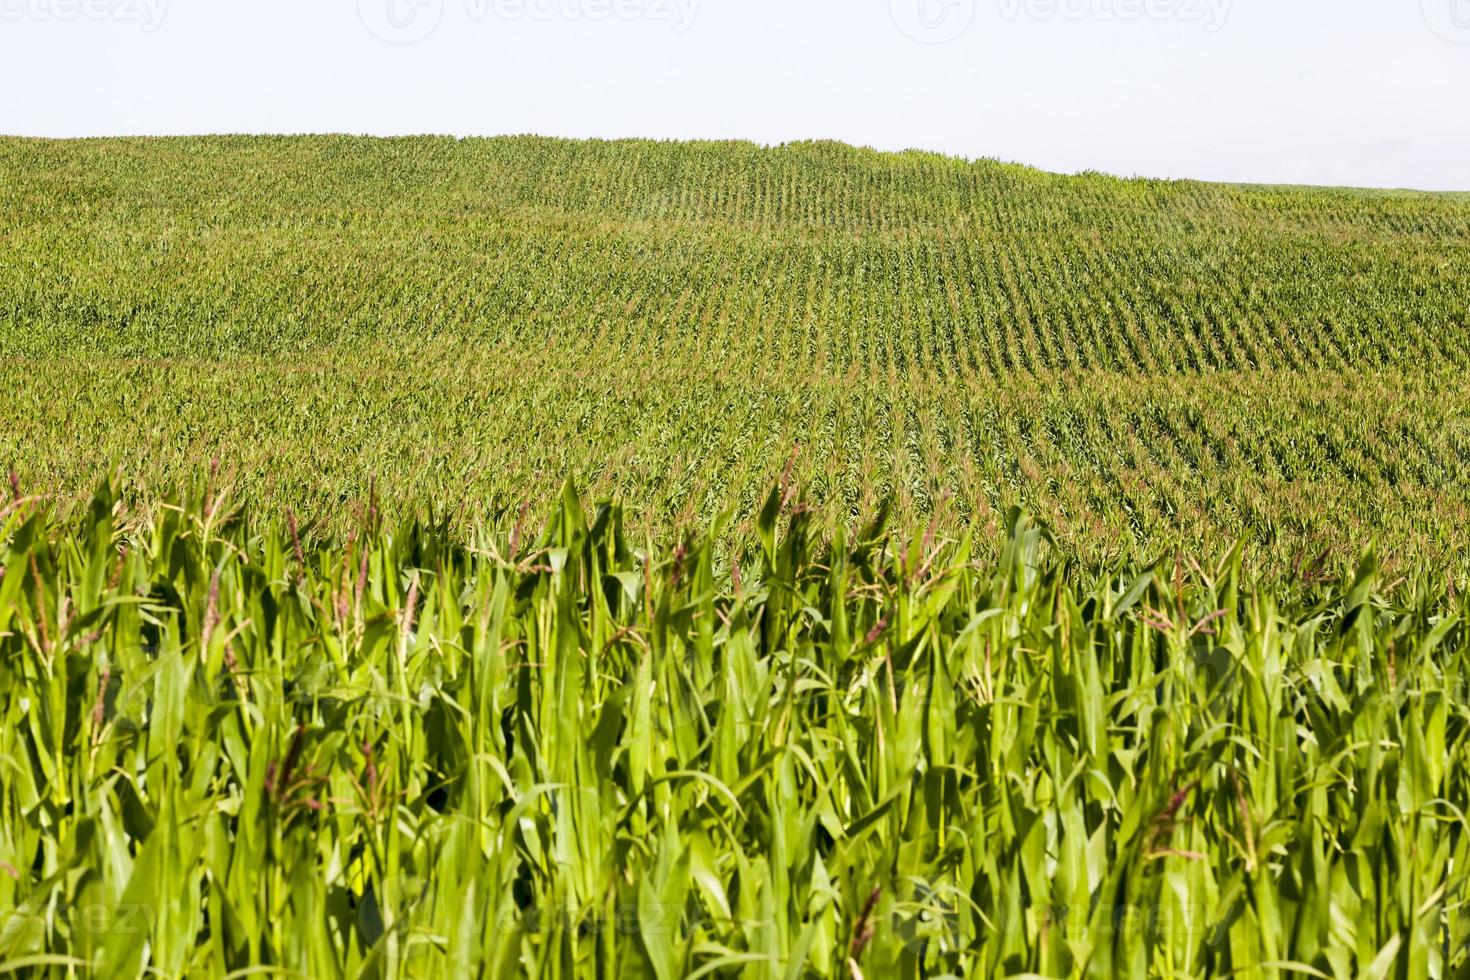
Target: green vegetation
point(345, 711)
point(1141, 364)
point(560, 756)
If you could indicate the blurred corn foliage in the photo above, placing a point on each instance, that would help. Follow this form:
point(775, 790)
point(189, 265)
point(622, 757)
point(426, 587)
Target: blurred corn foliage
point(229, 748)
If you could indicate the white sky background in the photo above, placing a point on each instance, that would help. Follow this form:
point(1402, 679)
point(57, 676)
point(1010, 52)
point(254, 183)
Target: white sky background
point(1362, 92)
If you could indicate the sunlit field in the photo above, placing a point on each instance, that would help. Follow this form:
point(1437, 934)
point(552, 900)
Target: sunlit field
point(435, 558)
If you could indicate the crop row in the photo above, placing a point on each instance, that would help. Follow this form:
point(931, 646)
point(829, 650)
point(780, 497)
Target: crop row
point(1302, 463)
point(215, 248)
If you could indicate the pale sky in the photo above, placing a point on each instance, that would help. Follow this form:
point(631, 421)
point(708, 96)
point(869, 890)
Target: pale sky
point(1362, 92)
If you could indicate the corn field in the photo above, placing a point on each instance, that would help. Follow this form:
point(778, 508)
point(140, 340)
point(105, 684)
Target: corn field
point(1107, 617)
point(1143, 365)
point(555, 754)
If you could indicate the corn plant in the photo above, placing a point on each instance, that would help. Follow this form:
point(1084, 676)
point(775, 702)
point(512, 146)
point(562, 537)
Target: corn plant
point(233, 745)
